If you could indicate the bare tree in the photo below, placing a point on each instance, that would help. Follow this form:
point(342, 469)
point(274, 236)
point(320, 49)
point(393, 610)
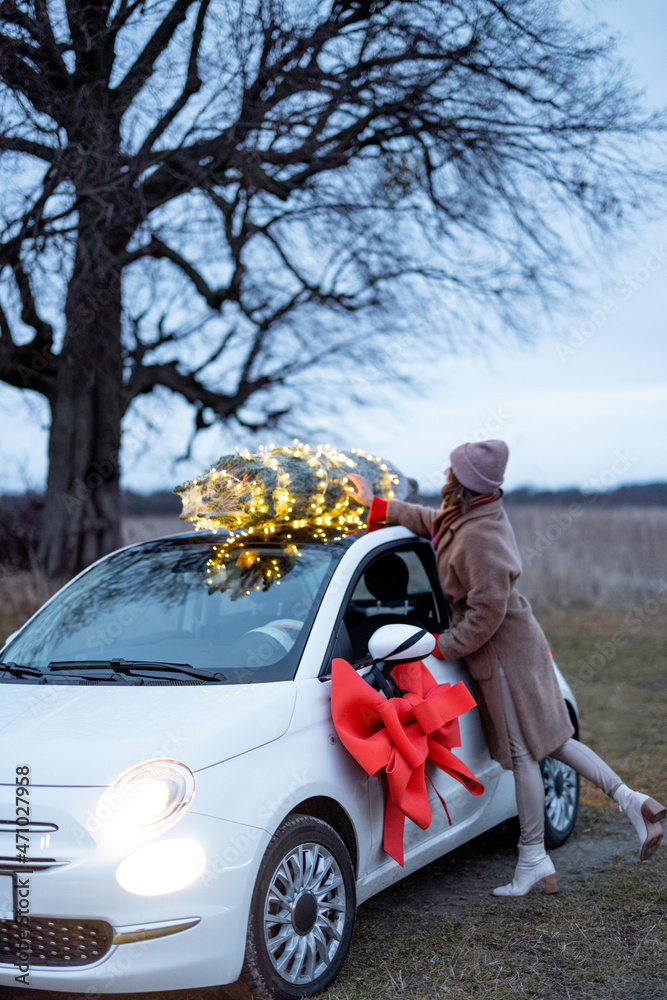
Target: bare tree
point(217, 196)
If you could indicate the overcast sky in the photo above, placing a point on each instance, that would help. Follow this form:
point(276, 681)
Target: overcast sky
point(588, 406)
point(585, 407)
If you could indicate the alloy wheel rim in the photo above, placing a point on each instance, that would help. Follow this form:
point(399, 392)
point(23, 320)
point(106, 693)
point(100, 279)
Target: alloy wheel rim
point(304, 913)
point(560, 793)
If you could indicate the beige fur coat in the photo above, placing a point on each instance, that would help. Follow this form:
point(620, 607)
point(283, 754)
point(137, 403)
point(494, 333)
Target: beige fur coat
point(492, 625)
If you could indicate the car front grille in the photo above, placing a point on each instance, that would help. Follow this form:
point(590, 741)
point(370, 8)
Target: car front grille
point(56, 941)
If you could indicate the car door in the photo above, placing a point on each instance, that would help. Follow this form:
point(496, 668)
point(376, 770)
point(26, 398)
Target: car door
point(398, 583)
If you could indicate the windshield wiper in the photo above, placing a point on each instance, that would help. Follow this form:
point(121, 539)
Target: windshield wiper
point(133, 668)
point(20, 669)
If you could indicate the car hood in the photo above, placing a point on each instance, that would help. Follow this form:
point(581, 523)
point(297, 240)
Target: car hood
point(71, 735)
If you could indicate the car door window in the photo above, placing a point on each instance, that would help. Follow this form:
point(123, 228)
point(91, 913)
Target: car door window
point(395, 586)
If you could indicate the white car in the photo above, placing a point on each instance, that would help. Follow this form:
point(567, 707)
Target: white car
point(176, 807)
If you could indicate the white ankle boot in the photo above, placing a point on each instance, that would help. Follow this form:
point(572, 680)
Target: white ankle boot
point(644, 814)
point(534, 866)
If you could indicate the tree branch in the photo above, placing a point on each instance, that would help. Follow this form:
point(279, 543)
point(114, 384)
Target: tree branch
point(125, 11)
point(170, 375)
point(205, 164)
point(218, 352)
point(17, 144)
point(157, 248)
point(192, 85)
point(142, 68)
point(33, 223)
point(5, 330)
point(18, 74)
point(13, 14)
point(45, 53)
point(48, 38)
point(27, 366)
point(43, 340)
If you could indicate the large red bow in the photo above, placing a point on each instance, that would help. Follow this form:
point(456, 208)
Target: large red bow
point(401, 735)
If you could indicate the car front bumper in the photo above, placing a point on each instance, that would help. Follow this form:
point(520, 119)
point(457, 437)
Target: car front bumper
point(88, 934)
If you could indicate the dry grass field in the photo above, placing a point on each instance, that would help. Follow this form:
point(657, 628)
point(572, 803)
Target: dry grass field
point(600, 590)
point(591, 557)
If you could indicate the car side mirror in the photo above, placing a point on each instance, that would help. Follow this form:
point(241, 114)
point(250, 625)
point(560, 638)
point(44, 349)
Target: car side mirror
point(401, 642)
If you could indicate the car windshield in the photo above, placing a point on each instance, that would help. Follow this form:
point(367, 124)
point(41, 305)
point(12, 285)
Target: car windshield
point(241, 612)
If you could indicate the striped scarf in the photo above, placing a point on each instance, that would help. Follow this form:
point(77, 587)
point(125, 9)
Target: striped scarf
point(447, 515)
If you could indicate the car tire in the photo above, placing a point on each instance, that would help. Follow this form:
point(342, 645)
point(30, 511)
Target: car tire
point(302, 913)
point(561, 800)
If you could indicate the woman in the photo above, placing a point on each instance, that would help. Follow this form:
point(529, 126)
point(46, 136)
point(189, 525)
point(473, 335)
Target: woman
point(507, 655)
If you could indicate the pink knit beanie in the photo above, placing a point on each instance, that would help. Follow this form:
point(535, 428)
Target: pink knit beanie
point(480, 465)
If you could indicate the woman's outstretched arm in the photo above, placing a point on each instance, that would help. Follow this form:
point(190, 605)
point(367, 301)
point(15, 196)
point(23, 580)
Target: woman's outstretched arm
point(384, 512)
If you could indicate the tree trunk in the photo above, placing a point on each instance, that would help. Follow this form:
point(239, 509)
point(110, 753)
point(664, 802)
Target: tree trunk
point(82, 512)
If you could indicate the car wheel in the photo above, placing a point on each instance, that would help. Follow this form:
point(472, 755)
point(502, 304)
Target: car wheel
point(561, 800)
point(302, 914)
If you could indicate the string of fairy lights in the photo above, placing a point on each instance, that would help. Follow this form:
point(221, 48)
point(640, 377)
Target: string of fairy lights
point(288, 494)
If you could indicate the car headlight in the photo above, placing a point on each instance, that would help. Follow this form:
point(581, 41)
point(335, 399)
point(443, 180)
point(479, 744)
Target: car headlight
point(145, 800)
point(163, 867)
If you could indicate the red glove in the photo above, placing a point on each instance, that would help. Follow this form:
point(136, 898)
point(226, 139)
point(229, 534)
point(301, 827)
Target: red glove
point(377, 515)
point(436, 652)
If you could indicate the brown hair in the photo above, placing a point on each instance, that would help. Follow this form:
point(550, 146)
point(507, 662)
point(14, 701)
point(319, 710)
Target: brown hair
point(455, 494)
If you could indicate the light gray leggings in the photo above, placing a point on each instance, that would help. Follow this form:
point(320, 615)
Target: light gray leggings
point(528, 777)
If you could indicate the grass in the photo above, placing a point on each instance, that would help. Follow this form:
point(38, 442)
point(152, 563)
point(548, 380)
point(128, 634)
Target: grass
point(588, 946)
point(604, 940)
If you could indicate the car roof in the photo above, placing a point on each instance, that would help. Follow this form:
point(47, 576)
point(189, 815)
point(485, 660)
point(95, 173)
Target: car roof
point(208, 535)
